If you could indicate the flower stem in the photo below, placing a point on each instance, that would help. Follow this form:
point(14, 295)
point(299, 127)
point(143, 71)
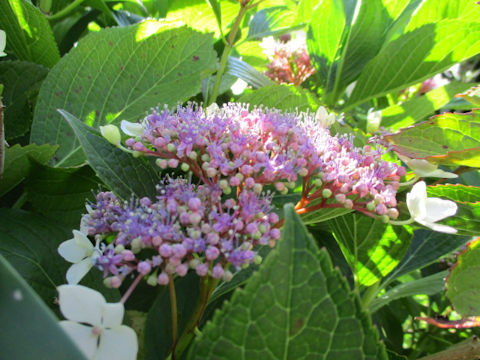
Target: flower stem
point(131, 288)
point(174, 314)
point(226, 52)
point(207, 286)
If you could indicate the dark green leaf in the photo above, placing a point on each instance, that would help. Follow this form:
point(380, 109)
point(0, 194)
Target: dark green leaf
point(60, 194)
point(372, 248)
point(29, 330)
point(29, 35)
point(119, 73)
point(18, 163)
point(428, 285)
point(158, 327)
point(123, 173)
point(427, 246)
point(462, 283)
point(21, 80)
point(295, 307)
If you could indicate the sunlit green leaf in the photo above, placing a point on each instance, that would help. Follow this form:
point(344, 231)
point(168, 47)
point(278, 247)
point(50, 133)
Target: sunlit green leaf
point(449, 139)
point(272, 21)
point(462, 283)
point(373, 249)
point(398, 116)
point(467, 218)
point(416, 56)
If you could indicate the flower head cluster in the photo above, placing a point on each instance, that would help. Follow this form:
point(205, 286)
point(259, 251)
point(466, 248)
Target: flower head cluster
point(248, 149)
point(187, 227)
point(289, 60)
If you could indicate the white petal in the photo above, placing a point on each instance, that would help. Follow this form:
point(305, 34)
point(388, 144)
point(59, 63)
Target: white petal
point(416, 199)
point(438, 209)
point(131, 129)
point(82, 304)
point(76, 249)
point(112, 315)
point(438, 227)
point(82, 336)
point(77, 271)
point(119, 344)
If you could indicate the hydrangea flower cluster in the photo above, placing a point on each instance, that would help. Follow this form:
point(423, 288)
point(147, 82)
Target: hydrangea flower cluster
point(289, 60)
point(187, 227)
point(248, 149)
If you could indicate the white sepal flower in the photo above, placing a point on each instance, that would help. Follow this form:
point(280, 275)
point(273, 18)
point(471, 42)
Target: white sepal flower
point(81, 252)
point(3, 42)
point(323, 118)
point(106, 338)
point(427, 211)
point(131, 129)
point(424, 168)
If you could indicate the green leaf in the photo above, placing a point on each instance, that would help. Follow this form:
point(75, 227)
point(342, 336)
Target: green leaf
point(428, 285)
point(119, 73)
point(416, 56)
point(21, 80)
point(247, 73)
point(448, 139)
point(296, 306)
point(29, 34)
point(199, 15)
point(371, 248)
point(158, 327)
point(273, 21)
point(427, 246)
point(123, 173)
point(283, 97)
point(60, 194)
point(18, 163)
point(341, 44)
point(30, 241)
point(321, 215)
point(431, 11)
point(462, 283)
point(467, 218)
point(29, 330)
point(398, 116)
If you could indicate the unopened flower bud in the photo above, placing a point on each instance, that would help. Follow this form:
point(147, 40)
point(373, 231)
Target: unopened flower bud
point(111, 134)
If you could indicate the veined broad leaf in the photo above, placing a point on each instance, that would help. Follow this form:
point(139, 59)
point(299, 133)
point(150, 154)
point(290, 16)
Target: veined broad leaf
point(272, 21)
point(119, 73)
point(28, 32)
point(296, 306)
point(415, 56)
point(123, 173)
point(372, 249)
point(247, 73)
point(448, 139)
point(467, 218)
point(462, 282)
point(472, 95)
